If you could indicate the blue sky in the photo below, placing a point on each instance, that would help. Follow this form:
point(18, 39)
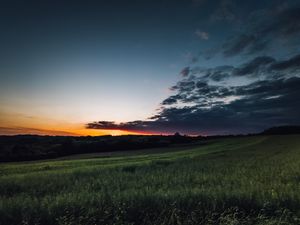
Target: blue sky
point(65, 64)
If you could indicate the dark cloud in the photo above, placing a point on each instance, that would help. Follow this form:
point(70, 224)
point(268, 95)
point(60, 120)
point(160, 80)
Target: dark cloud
point(286, 24)
point(290, 64)
point(260, 66)
point(185, 85)
point(261, 104)
point(171, 100)
point(283, 25)
point(219, 73)
point(204, 101)
point(201, 84)
point(103, 125)
point(202, 104)
point(185, 71)
point(110, 125)
point(238, 44)
point(254, 66)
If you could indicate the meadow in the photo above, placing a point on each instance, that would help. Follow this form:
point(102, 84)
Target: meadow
point(238, 180)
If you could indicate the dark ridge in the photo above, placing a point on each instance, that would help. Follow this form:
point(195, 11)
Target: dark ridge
point(282, 130)
point(34, 147)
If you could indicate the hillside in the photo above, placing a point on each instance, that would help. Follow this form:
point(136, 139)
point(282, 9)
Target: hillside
point(241, 180)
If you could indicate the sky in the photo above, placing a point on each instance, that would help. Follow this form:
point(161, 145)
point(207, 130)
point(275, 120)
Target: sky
point(197, 67)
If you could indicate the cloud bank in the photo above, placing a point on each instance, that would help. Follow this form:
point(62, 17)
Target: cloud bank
point(262, 92)
point(206, 102)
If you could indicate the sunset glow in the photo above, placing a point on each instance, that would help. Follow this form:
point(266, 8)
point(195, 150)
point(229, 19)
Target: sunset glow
point(205, 67)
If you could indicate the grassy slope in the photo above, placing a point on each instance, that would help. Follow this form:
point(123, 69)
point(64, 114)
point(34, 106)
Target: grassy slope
point(250, 180)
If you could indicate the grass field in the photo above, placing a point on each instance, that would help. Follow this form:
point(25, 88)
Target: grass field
point(242, 180)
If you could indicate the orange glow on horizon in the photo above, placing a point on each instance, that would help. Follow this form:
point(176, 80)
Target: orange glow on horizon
point(67, 132)
point(99, 132)
point(16, 123)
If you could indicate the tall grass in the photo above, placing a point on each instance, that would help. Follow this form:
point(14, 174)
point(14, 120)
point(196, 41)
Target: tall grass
point(254, 180)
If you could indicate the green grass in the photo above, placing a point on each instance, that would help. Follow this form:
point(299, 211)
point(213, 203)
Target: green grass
point(248, 180)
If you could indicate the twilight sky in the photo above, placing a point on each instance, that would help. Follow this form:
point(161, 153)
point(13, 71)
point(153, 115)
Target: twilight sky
point(146, 66)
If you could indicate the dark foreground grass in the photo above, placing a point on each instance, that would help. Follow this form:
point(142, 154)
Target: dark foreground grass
point(253, 180)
